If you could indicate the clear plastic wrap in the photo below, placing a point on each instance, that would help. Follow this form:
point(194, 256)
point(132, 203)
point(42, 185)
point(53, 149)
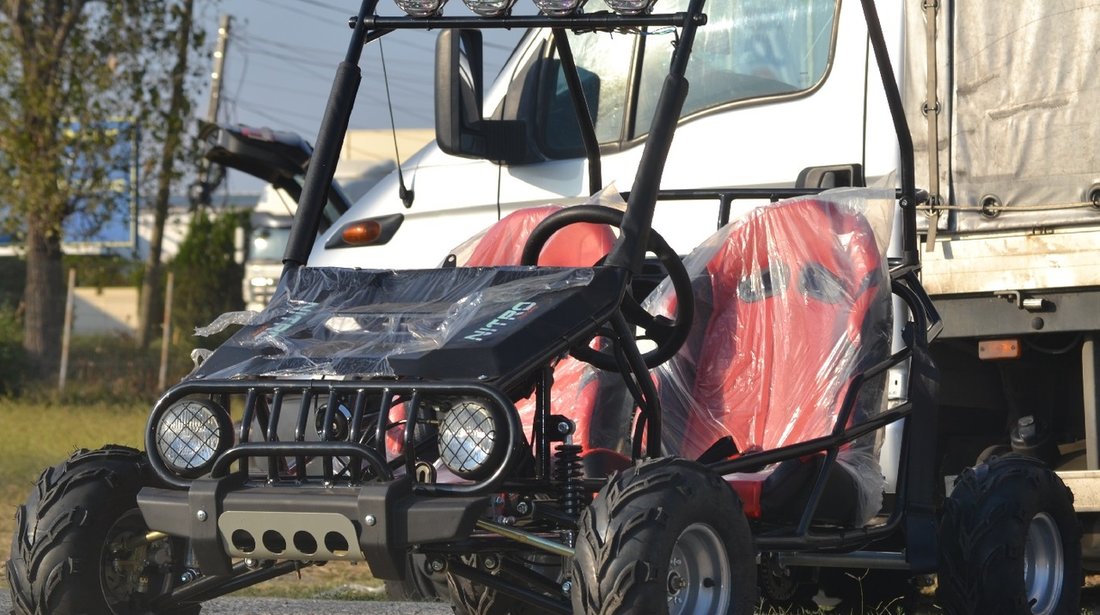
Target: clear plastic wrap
point(577, 245)
point(336, 322)
point(578, 388)
point(792, 301)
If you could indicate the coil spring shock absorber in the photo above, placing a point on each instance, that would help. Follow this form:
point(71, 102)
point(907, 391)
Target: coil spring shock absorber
point(570, 472)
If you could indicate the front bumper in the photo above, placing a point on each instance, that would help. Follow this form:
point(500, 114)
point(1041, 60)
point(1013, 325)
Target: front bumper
point(376, 522)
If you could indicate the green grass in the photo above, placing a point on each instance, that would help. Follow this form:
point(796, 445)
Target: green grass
point(34, 436)
point(37, 434)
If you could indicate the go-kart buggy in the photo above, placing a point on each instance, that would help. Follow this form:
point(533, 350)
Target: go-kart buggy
point(497, 421)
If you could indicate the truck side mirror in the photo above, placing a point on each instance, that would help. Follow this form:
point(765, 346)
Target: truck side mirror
point(458, 93)
point(460, 129)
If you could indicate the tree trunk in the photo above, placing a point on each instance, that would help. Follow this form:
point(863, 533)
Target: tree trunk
point(44, 299)
point(151, 280)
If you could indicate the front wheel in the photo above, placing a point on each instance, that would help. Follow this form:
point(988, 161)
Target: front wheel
point(666, 537)
point(1010, 542)
point(80, 544)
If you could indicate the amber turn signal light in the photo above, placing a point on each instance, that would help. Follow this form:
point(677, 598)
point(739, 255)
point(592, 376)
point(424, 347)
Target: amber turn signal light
point(361, 233)
point(991, 350)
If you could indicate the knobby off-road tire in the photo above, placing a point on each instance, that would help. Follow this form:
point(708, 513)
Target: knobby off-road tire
point(1010, 542)
point(790, 592)
point(419, 585)
point(469, 598)
point(68, 555)
point(666, 537)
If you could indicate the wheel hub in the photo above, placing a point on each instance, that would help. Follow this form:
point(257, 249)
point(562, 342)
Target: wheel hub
point(699, 573)
point(130, 566)
point(1044, 564)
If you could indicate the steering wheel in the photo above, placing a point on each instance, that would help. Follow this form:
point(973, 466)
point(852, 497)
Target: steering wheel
point(668, 334)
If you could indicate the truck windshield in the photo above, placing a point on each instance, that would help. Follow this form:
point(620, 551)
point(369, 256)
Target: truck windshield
point(749, 49)
point(268, 243)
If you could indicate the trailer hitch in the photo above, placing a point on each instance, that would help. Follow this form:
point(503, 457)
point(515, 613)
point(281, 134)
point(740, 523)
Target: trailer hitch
point(1025, 302)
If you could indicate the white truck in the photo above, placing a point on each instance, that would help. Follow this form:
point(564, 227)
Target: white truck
point(999, 96)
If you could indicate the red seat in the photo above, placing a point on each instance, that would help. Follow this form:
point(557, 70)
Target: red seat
point(576, 385)
point(792, 304)
point(577, 245)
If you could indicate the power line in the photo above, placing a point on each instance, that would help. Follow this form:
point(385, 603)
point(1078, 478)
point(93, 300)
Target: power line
point(292, 9)
point(325, 6)
point(252, 37)
point(278, 122)
point(282, 88)
point(249, 104)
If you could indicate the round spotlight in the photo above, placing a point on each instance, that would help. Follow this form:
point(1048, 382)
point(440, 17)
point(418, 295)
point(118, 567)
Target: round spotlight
point(631, 7)
point(191, 435)
point(490, 8)
point(471, 443)
point(559, 8)
point(421, 8)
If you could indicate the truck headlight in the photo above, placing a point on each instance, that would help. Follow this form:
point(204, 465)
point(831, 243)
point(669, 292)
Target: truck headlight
point(191, 435)
point(471, 443)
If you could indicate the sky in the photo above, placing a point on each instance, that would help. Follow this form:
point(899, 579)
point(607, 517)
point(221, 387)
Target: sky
point(282, 58)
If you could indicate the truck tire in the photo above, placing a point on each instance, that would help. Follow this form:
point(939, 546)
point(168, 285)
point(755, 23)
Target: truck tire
point(666, 537)
point(1010, 542)
point(68, 555)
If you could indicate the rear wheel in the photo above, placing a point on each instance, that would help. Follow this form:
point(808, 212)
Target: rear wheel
point(664, 537)
point(80, 543)
point(1010, 542)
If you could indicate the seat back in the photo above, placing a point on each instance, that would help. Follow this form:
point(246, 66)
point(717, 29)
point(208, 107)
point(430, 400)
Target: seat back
point(793, 303)
point(576, 245)
point(576, 388)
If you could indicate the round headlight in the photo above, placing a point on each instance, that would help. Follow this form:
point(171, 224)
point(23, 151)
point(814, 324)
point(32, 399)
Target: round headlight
point(490, 8)
point(191, 434)
point(422, 8)
point(631, 7)
point(559, 8)
point(470, 441)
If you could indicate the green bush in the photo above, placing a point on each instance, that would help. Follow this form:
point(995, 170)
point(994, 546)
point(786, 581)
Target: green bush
point(207, 280)
point(13, 276)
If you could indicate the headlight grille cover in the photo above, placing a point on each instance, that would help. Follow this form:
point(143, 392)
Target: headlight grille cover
point(467, 438)
point(189, 435)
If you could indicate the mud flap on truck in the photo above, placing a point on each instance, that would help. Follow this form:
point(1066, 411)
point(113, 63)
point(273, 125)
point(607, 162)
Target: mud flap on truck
point(375, 522)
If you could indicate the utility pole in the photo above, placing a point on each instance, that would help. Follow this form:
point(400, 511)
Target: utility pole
point(203, 187)
point(219, 68)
